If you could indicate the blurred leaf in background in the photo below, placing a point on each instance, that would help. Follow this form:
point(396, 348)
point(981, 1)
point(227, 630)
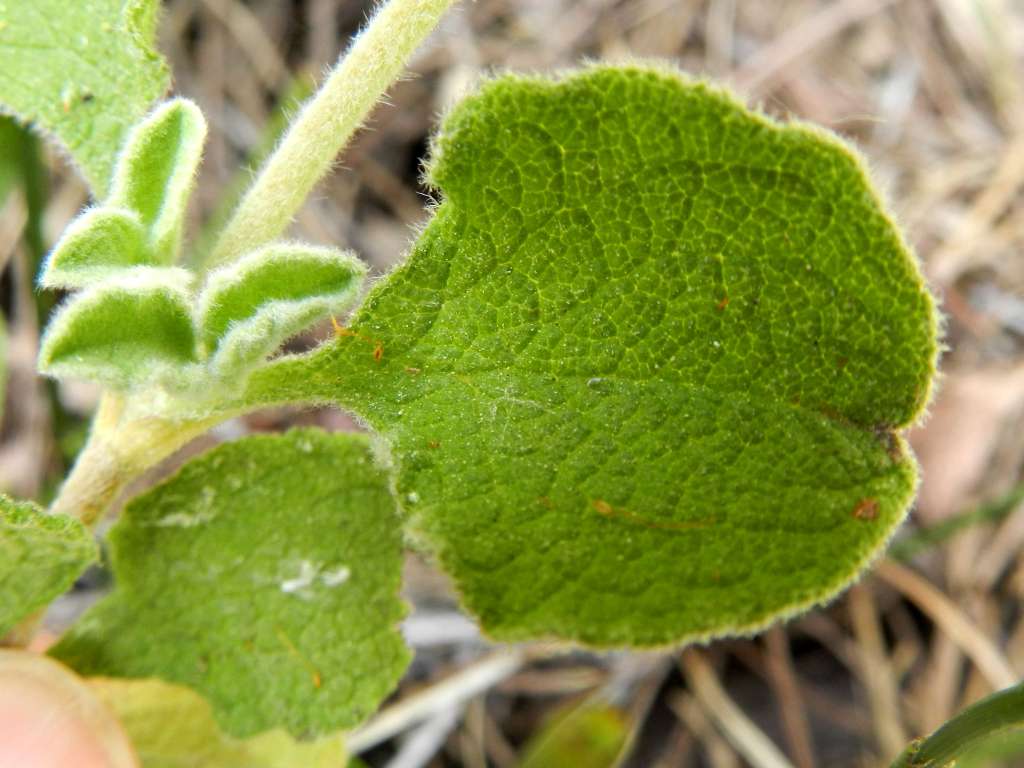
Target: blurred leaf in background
point(587, 735)
point(170, 727)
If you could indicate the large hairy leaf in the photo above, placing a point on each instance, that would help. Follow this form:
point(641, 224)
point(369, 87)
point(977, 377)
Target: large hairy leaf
point(643, 374)
point(265, 576)
point(84, 71)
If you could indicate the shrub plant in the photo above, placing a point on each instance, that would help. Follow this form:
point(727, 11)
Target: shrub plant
point(640, 381)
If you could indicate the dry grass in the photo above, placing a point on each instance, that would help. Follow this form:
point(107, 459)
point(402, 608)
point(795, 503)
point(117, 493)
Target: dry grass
point(933, 93)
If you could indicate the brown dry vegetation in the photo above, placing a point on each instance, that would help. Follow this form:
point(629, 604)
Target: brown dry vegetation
point(933, 93)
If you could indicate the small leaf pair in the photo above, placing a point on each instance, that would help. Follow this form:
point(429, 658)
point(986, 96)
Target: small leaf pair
point(140, 224)
point(125, 332)
point(134, 324)
point(249, 308)
point(139, 329)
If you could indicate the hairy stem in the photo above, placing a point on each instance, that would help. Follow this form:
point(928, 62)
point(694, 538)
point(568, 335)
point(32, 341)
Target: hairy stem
point(375, 60)
point(119, 449)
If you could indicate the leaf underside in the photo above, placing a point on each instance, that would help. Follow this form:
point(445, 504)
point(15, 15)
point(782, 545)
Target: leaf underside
point(83, 71)
point(641, 375)
point(40, 557)
point(264, 576)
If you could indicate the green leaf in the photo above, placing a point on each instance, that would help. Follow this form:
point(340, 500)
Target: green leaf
point(998, 750)
point(40, 557)
point(156, 171)
point(970, 731)
point(588, 735)
point(170, 727)
point(265, 576)
point(124, 332)
point(642, 374)
point(249, 308)
point(22, 169)
point(84, 71)
point(97, 245)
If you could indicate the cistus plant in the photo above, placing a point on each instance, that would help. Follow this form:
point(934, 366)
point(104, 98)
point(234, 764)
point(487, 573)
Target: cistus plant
point(641, 381)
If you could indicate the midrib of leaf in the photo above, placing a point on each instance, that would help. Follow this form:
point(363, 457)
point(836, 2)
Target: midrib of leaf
point(365, 387)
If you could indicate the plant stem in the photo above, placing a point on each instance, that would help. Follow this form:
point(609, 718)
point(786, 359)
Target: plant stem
point(118, 450)
point(375, 60)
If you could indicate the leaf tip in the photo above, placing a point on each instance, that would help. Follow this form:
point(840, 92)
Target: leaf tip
point(100, 242)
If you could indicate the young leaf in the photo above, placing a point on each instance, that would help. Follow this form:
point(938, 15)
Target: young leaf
point(40, 557)
point(97, 245)
point(124, 332)
point(156, 170)
point(265, 576)
point(170, 726)
point(84, 71)
point(249, 308)
point(642, 374)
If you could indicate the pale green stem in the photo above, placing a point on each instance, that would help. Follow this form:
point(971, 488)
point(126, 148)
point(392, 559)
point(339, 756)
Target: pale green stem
point(309, 148)
point(119, 449)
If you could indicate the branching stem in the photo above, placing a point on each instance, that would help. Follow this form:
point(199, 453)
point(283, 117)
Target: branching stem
point(375, 60)
point(120, 448)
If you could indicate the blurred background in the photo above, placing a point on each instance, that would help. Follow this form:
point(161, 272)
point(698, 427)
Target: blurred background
point(932, 91)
